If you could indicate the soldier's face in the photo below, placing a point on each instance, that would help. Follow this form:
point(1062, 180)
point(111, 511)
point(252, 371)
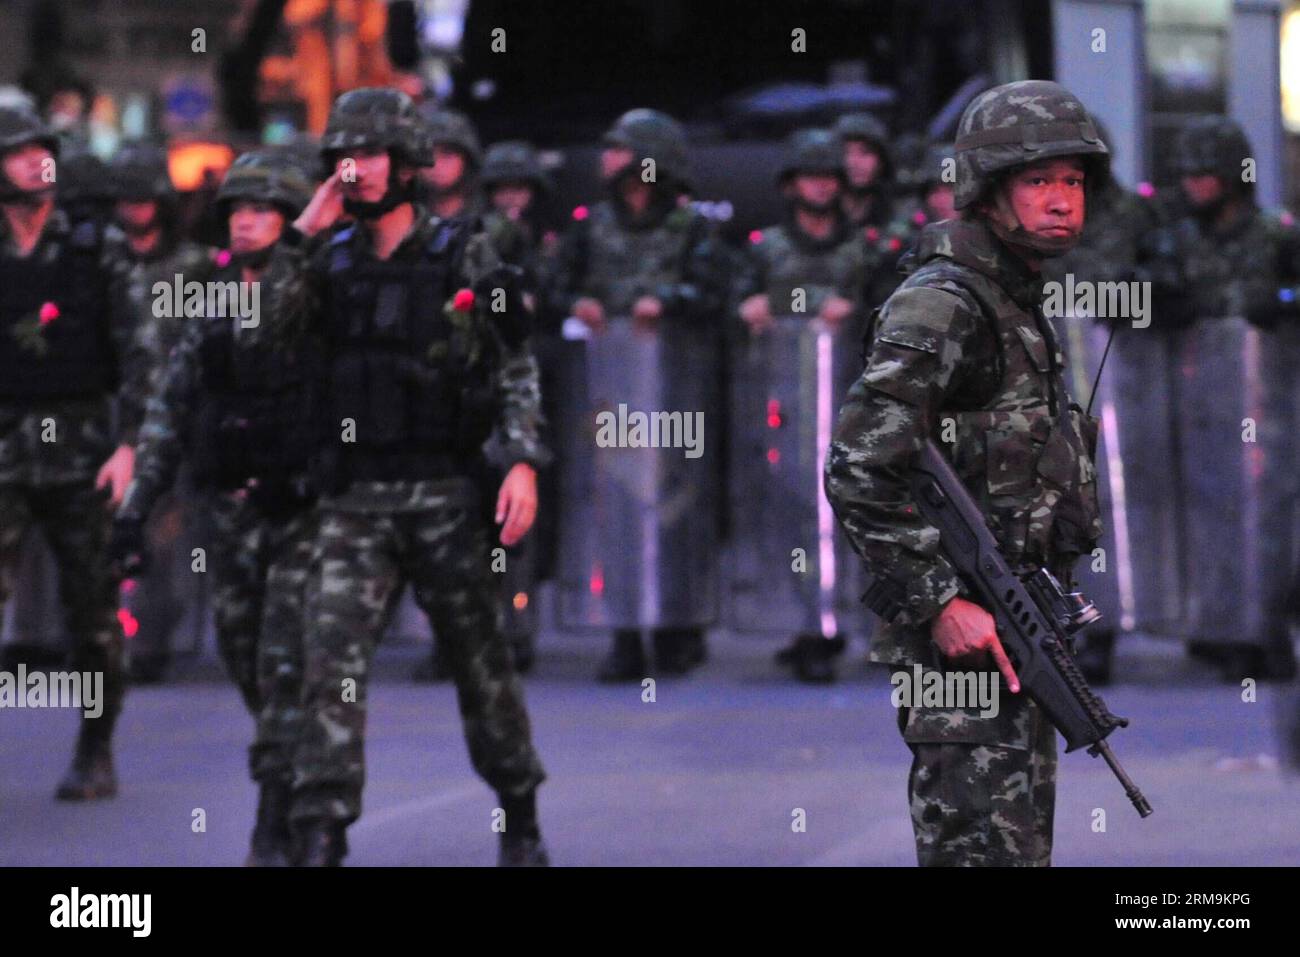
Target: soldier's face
point(136, 212)
point(25, 165)
point(1203, 190)
point(371, 167)
point(1048, 198)
point(254, 226)
point(448, 167)
point(861, 162)
point(939, 202)
point(512, 199)
point(817, 190)
point(613, 159)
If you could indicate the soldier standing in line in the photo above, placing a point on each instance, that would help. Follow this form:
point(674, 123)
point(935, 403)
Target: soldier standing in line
point(451, 181)
point(240, 415)
point(147, 244)
point(813, 263)
point(419, 372)
point(64, 353)
point(963, 354)
point(644, 253)
point(868, 170)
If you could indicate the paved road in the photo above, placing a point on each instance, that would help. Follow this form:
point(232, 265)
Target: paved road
point(709, 773)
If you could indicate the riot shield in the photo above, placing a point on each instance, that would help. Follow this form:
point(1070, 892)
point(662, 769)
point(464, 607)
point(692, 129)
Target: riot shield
point(638, 484)
point(792, 568)
point(1236, 404)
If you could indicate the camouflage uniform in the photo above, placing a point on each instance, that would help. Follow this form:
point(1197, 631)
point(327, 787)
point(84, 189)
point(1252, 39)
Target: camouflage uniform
point(671, 252)
point(401, 505)
point(263, 528)
point(65, 350)
point(879, 210)
point(140, 173)
point(981, 790)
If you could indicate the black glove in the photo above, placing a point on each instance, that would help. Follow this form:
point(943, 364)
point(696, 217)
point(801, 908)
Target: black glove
point(127, 551)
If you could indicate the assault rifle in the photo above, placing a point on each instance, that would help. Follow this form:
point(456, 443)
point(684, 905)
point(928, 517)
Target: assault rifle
point(1035, 616)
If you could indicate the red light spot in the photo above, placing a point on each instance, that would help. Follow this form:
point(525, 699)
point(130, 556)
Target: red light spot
point(1146, 190)
point(873, 233)
point(580, 213)
point(129, 624)
point(597, 584)
point(773, 456)
point(128, 585)
point(521, 600)
point(773, 413)
point(919, 217)
point(895, 244)
point(1287, 219)
point(223, 257)
point(756, 235)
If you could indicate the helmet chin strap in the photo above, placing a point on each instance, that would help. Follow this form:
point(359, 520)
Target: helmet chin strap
point(394, 195)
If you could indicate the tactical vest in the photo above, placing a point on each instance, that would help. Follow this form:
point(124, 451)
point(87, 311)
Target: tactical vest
point(822, 271)
point(416, 381)
point(1027, 452)
point(625, 264)
point(72, 355)
point(258, 411)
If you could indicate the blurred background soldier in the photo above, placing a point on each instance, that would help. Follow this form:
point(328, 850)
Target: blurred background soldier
point(84, 188)
point(451, 180)
point(63, 355)
point(868, 168)
point(1223, 273)
point(148, 244)
point(812, 265)
point(642, 255)
point(517, 220)
point(419, 372)
point(963, 340)
point(240, 415)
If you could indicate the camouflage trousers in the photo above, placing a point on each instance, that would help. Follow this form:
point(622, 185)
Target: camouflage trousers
point(982, 790)
point(260, 566)
point(75, 518)
point(363, 559)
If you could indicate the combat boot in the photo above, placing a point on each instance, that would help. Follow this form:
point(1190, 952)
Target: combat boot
point(677, 650)
point(521, 841)
point(320, 843)
point(814, 658)
point(271, 838)
point(91, 776)
point(626, 659)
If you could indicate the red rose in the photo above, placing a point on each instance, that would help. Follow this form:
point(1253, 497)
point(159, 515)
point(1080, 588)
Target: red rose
point(49, 312)
point(464, 299)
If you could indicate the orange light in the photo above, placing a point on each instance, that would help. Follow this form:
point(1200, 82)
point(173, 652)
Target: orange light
point(521, 600)
point(190, 165)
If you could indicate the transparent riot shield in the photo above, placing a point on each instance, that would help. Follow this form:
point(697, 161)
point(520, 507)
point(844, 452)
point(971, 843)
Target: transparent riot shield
point(792, 568)
point(638, 483)
point(1236, 405)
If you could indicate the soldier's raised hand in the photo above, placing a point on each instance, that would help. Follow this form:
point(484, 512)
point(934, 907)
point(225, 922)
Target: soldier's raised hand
point(116, 473)
point(325, 208)
point(757, 313)
point(965, 633)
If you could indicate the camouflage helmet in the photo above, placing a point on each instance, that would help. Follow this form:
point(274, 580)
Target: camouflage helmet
point(812, 151)
point(864, 126)
point(20, 126)
point(513, 161)
point(83, 177)
point(376, 118)
point(653, 134)
point(1017, 124)
point(1211, 144)
point(445, 127)
point(139, 172)
point(266, 177)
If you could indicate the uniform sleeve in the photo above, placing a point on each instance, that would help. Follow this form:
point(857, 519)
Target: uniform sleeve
point(164, 434)
point(135, 362)
point(294, 281)
point(889, 413)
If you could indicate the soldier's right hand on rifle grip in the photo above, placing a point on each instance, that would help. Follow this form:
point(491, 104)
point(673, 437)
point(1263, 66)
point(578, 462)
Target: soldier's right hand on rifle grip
point(757, 313)
point(964, 631)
